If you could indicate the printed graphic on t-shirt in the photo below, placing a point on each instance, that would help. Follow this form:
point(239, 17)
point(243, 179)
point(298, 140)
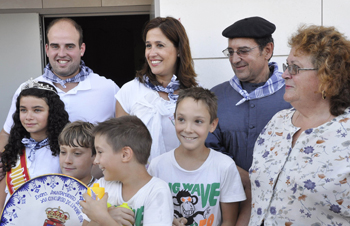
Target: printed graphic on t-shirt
point(139, 216)
point(195, 202)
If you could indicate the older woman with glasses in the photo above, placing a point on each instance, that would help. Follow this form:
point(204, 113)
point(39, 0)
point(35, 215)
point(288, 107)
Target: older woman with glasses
point(301, 158)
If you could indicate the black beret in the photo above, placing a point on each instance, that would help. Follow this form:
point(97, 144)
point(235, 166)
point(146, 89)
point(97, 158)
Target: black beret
point(251, 27)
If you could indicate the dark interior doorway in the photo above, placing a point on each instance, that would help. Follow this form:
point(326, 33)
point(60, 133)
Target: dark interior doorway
point(114, 46)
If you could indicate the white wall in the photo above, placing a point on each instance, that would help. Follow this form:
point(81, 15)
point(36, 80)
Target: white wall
point(336, 13)
point(20, 55)
point(204, 21)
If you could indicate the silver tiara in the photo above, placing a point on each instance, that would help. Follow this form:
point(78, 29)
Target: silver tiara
point(35, 84)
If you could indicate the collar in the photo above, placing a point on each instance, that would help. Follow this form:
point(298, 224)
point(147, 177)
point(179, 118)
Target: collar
point(272, 85)
point(81, 76)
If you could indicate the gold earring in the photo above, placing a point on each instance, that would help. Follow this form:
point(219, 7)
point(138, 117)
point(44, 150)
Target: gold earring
point(323, 94)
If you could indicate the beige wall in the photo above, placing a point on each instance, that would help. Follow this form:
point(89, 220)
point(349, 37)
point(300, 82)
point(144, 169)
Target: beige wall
point(49, 7)
point(20, 55)
point(24, 4)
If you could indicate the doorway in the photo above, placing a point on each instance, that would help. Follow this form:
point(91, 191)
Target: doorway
point(114, 45)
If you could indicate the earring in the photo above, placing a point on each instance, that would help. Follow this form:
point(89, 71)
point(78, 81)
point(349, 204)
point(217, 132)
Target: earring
point(178, 55)
point(323, 94)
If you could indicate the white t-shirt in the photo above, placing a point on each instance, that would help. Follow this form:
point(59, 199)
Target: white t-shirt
point(155, 112)
point(152, 204)
point(44, 163)
point(197, 194)
point(92, 100)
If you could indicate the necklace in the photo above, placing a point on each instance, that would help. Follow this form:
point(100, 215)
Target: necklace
point(90, 183)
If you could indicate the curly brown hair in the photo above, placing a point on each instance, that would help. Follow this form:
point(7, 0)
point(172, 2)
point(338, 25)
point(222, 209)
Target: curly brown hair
point(330, 54)
point(176, 33)
point(57, 119)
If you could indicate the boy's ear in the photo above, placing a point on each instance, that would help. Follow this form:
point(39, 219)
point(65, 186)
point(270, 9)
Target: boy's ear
point(213, 125)
point(93, 158)
point(127, 154)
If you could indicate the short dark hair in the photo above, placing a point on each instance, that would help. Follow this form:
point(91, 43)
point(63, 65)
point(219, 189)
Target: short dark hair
point(262, 42)
point(126, 131)
point(69, 20)
point(78, 134)
point(176, 33)
point(201, 94)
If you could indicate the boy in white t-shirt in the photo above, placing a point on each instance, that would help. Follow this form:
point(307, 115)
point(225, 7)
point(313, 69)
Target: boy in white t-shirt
point(205, 184)
point(123, 146)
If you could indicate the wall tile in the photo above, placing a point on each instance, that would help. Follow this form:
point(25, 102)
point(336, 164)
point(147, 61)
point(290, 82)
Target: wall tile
point(126, 2)
point(20, 4)
point(336, 13)
point(70, 3)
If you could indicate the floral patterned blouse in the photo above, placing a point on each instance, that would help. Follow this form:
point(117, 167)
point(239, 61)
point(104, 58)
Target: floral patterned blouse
point(306, 184)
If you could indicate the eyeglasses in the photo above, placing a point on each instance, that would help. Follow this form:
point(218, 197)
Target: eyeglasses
point(294, 69)
point(242, 52)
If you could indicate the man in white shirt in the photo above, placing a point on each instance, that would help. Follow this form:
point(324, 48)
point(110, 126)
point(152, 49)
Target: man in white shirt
point(87, 96)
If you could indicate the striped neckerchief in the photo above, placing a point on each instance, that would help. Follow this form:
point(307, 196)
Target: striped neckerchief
point(170, 89)
point(272, 85)
point(81, 76)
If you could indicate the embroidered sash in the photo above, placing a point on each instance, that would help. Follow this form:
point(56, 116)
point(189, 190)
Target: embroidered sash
point(18, 175)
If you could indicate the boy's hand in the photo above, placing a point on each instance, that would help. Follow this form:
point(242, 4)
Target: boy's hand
point(179, 221)
point(95, 210)
point(122, 216)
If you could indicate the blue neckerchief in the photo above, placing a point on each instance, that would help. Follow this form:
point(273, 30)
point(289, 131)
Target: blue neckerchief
point(271, 86)
point(81, 76)
point(34, 145)
point(172, 86)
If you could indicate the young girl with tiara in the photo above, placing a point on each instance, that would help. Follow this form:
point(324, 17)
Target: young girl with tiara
point(33, 147)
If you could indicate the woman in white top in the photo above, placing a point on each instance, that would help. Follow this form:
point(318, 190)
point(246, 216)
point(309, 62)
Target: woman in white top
point(152, 95)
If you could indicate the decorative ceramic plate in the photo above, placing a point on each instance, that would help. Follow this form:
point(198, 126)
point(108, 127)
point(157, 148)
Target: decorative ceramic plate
point(51, 199)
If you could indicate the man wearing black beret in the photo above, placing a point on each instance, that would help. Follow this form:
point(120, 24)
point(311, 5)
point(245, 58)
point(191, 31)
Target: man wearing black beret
point(249, 100)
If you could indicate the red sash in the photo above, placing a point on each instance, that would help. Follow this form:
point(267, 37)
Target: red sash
point(18, 175)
